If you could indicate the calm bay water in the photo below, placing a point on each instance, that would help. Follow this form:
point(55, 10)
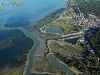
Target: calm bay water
point(37, 9)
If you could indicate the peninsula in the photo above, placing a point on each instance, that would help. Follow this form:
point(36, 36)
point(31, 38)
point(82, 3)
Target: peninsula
point(65, 42)
point(69, 40)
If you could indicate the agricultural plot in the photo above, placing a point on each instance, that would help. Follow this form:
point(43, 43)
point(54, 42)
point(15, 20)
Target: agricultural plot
point(54, 47)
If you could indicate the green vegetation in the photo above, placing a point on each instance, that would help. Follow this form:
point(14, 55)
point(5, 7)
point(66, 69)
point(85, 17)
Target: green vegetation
point(82, 65)
point(42, 65)
point(49, 18)
point(58, 48)
point(61, 53)
point(87, 61)
point(64, 22)
point(80, 46)
point(13, 52)
point(95, 41)
point(90, 7)
point(40, 74)
point(79, 1)
point(15, 71)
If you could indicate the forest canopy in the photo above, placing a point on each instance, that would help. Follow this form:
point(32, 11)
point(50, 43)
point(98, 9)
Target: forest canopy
point(92, 7)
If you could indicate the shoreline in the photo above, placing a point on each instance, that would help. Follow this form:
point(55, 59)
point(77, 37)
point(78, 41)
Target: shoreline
point(27, 59)
point(37, 31)
point(39, 52)
point(73, 70)
point(57, 59)
point(7, 29)
point(52, 22)
point(27, 34)
point(26, 64)
point(35, 44)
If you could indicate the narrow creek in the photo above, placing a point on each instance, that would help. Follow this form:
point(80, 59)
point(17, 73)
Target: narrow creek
point(6, 15)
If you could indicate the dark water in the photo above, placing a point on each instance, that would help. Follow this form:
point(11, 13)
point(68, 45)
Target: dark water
point(72, 41)
point(13, 47)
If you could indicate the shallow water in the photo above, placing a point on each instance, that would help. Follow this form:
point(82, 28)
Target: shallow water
point(36, 8)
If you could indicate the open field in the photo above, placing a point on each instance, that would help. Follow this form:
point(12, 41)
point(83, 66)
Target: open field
point(64, 22)
point(70, 47)
point(57, 48)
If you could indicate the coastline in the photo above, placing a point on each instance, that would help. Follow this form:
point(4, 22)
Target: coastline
point(72, 69)
point(57, 59)
point(26, 65)
point(38, 51)
point(39, 48)
point(28, 34)
point(27, 60)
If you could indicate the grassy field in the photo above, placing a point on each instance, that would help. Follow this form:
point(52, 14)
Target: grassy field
point(64, 22)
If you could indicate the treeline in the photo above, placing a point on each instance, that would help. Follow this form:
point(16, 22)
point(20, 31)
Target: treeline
point(87, 64)
point(91, 7)
point(95, 41)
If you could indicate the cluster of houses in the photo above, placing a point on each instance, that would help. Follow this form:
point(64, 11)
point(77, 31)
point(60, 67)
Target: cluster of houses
point(74, 35)
point(86, 23)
